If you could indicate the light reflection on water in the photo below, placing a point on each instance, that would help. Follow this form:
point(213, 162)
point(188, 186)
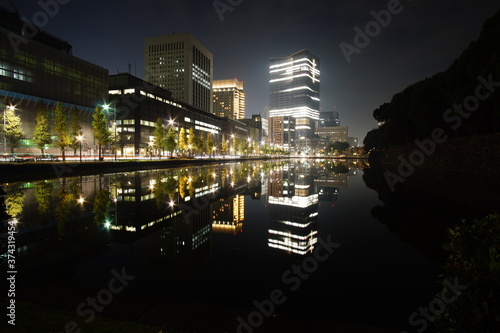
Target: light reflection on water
point(225, 234)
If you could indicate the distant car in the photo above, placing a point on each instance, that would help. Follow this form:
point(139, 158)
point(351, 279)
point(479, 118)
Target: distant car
point(45, 157)
point(24, 158)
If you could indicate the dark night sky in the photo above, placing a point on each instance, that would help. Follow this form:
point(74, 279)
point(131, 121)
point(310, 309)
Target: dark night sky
point(421, 40)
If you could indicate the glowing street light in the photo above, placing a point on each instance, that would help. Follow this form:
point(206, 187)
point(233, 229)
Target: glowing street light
point(80, 139)
point(107, 107)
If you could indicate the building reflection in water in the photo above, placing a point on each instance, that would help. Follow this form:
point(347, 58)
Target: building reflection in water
point(171, 212)
point(228, 214)
point(293, 209)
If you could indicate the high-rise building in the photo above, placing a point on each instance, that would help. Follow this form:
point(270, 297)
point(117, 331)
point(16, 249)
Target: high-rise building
point(229, 98)
point(329, 119)
point(182, 65)
point(294, 99)
point(332, 134)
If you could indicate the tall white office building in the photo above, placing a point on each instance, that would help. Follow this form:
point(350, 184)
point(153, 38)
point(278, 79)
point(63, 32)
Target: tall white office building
point(182, 65)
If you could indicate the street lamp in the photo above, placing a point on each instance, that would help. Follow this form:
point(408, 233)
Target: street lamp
point(107, 107)
point(80, 139)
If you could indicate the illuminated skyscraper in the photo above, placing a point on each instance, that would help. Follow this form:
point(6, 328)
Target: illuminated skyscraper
point(229, 98)
point(293, 99)
point(182, 65)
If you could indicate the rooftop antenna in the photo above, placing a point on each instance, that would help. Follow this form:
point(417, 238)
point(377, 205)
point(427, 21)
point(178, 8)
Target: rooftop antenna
point(129, 67)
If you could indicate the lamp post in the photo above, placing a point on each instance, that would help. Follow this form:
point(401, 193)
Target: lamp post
point(80, 139)
point(171, 122)
point(107, 107)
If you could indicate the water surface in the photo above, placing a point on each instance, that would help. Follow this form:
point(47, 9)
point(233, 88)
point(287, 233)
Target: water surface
point(231, 234)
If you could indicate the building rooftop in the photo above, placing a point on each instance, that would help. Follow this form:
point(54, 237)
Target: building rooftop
point(12, 21)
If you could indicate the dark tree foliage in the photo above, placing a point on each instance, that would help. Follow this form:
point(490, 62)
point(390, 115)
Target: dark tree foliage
point(431, 103)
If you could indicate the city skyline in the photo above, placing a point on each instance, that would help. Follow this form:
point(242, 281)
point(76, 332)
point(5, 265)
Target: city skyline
point(415, 42)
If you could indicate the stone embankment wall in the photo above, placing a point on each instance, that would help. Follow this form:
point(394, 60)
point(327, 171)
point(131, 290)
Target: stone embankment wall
point(464, 170)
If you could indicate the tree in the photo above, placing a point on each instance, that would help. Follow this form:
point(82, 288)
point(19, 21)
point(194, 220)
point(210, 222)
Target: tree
point(61, 129)
point(170, 144)
point(100, 129)
point(338, 146)
point(102, 201)
point(235, 145)
point(191, 140)
point(42, 136)
point(12, 129)
point(63, 209)
point(183, 141)
point(223, 146)
point(43, 195)
point(371, 140)
point(75, 129)
point(159, 136)
point(210, 144)
point(114, 137)
point(201, 143)
point(14, 202)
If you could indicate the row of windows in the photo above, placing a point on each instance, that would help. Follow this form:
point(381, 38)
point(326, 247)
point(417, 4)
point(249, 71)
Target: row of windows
point(166, 47)
point(17, 74)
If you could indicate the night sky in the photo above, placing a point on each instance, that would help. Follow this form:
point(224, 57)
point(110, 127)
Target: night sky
point(422, 38)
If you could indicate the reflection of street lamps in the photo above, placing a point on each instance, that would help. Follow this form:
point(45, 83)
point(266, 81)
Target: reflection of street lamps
point(80, 139)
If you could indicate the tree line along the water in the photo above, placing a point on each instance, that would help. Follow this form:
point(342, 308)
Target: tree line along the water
point(64, 131)
point(448, 100)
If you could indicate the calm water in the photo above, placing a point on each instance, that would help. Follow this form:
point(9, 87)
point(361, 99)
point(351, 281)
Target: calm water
point(230, 234)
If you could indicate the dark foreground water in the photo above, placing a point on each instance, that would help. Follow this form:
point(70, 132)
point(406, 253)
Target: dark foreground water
point(308, 235)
